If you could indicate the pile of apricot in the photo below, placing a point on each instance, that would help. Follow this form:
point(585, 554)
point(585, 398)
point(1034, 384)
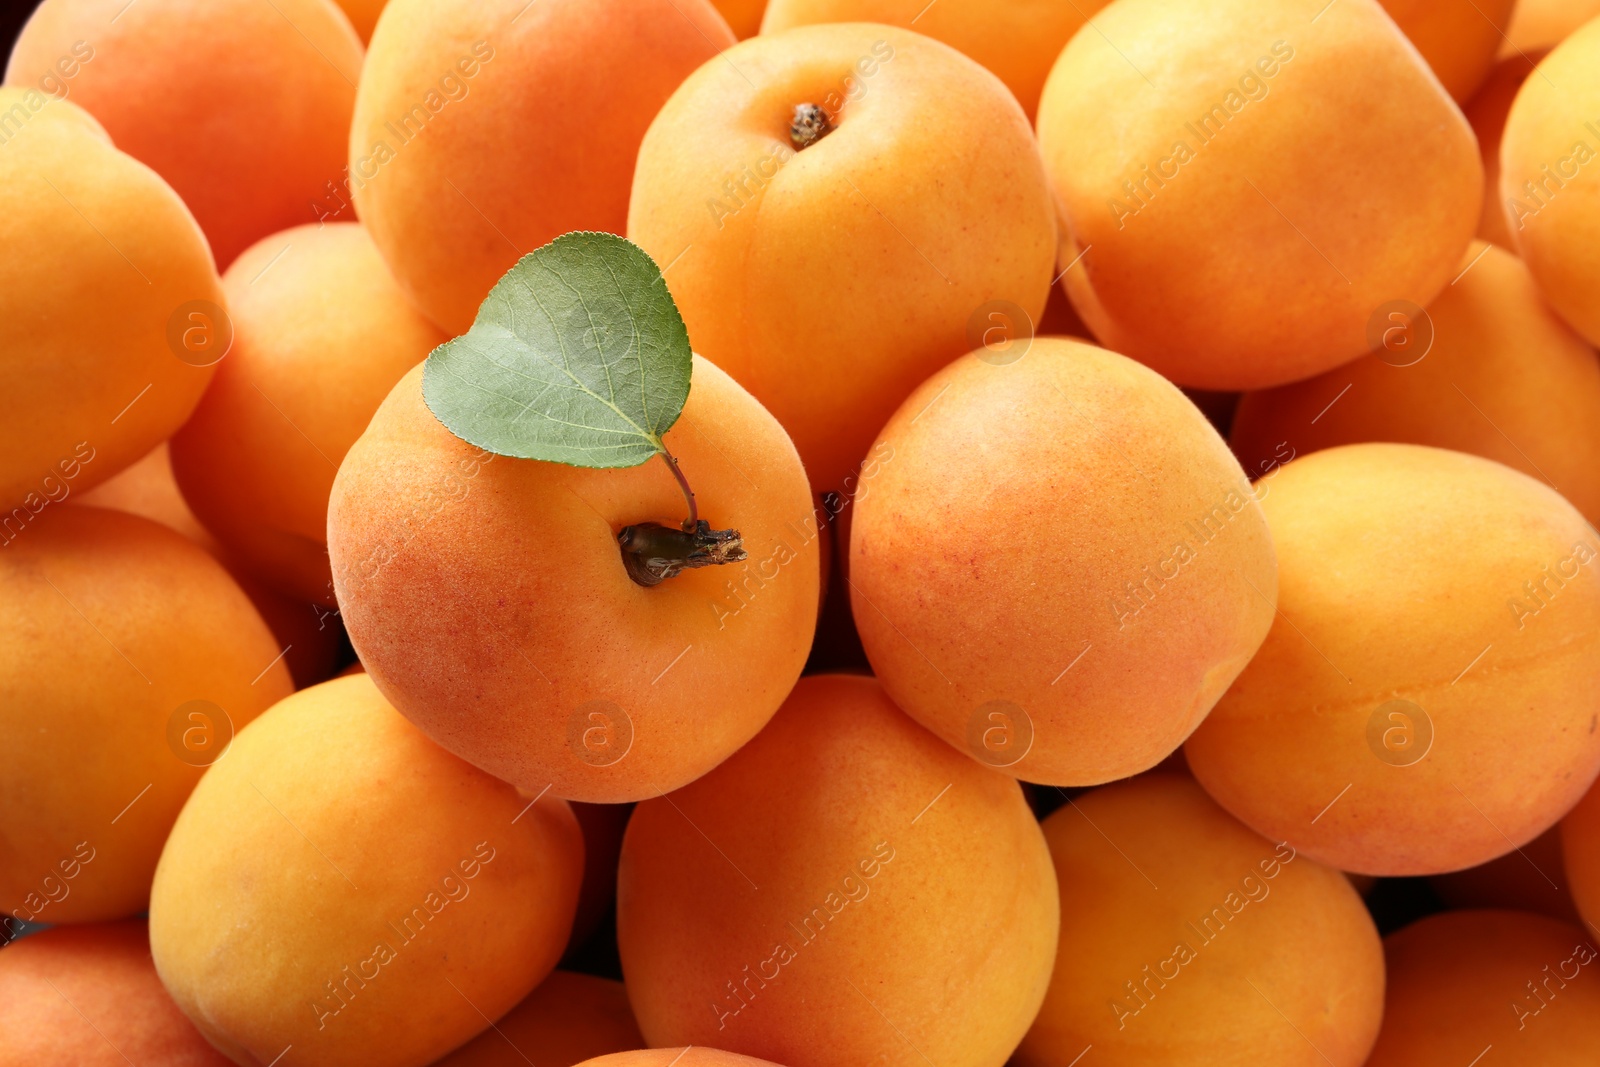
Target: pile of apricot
point(1163, 440)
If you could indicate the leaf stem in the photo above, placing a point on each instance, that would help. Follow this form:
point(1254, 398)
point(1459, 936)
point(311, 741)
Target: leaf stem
point(693, 520)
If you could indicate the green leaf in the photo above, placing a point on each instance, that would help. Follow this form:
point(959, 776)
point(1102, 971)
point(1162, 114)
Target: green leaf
point(578, 356)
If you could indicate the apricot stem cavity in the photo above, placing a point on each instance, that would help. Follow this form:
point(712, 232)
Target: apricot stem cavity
point(652, 553)
point(809, 125)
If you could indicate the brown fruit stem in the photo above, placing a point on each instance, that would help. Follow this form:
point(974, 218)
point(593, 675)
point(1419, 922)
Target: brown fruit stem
point(652, 553)
point(809, 125)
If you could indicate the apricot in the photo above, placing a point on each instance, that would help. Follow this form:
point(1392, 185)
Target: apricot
point(1453, 977)
point(533, 116)
point(363, 15)
point(843, 890)
point(1487, 111)
point(243, 106)
point(694, 1056)
point(1580, 856)
point(1487, 369)
point(1547, 190)
point(1426, 699)
point(321, 334)
point(1532, 878)
point(568, 1019)
point(1036, 532)
point(452, 563)
point(128, 657)
point(88, 996)
point(1458, 38)
point(1541, 24)
point(832, 279)
point(743, 16)
point(1019, 42)
point(1205, 233)
point(106, 295)
point(1187, 938)
point(342, 885)
point(310, 635)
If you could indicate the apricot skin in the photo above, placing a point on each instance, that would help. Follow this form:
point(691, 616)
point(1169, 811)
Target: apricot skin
point(1247, 989)
point(1504, 378)
point(861, 872)
point(1419, 587)
point(88, 996)
point(1487, 112)
point(831, 281)
point(1019, 541)
point(1550, 180)
point(487, 596)
point(98, 256)
point(1580, 853)
point(242, 105)
point(321, 334)
point(1255, 255)
point(568, 1019)
point(1463, 981)
point(694, 1056)
point(337, 873)
point(1458, 38)
point(743, 16)
point(109, 624)
point(536, 119)
point(1533, 878)
point(1018, 41)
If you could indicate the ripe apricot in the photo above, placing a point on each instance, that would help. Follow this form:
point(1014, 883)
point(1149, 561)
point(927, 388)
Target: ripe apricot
point(102, 275)
point(1503, 986)
point(128, 657)
point(533, 115)
point(743, 16)
point(1542, 24)
point(1017, 41)
point(1221, 244)
point(1532, 878)
point(693, 1056)
point(1487, 111)
point(1458, 38)
point(343, 885)
point(447, 559)
point(310, 635)
point(321, 334)
point(568, 1019)
point(843, 890)
point(1488, 369)
point(1186, 938)
point(88, 996)
point(243, 106)
point(831, 280)
point(1580, 855)
point(1426, 699)
point(1548, 187)
point(1037, 532)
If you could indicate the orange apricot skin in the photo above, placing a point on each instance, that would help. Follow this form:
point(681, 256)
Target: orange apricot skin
point(321, 334)
point(363, 15)
point(536, 117)
point(88, 996)
point(242, 106)
point(915, 887)
point(1487, 112)
point(452, 563)
point(831, 281)
point(339, 872)
point(111, 626)
point(1533, 878)
point(1019, 42)
point(1549, 181)
point(693, 1056)
point(1420, 706)
point(570, 1018)
point(743, 16)
point(1242, 254)
point(1458, 38)
point(1074, 518)
point(1193, 911)
point(100, 260)
point(1538, 25)
point(1503, 378)
point(1463, 981)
